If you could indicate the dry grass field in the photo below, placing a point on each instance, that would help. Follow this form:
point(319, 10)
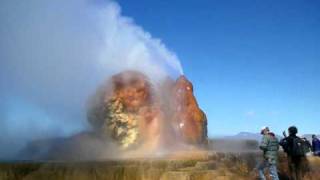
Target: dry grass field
point(185, 166)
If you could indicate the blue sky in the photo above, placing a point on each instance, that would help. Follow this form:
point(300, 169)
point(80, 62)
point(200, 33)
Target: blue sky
point(252, 62)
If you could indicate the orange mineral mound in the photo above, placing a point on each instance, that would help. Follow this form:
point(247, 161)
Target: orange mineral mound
point(135, 113)
point(188, 116)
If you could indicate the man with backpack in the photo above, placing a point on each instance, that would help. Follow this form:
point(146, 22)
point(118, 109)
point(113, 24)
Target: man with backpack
point(296, 149)
point(315, 145)
point(270, 146)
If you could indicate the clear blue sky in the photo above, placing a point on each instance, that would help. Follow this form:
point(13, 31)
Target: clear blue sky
point(252, 62)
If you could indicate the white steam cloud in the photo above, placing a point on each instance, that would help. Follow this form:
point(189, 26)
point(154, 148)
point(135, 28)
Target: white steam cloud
point(54, 54)
point(128, 46)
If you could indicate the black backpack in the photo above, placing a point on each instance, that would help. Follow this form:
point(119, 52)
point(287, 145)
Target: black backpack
point(300, 147)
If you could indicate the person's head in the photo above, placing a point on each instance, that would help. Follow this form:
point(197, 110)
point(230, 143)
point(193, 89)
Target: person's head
point(264, 130)
point(314, 136)
point(293, 130)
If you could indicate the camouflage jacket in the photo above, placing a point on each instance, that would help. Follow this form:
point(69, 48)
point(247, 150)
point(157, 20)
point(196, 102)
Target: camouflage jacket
point(270, 146)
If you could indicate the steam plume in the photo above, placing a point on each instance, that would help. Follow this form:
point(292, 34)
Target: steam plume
point(134, 48)
point(53, 56)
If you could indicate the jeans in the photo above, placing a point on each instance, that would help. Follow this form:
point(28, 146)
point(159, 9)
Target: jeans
point(272, 170)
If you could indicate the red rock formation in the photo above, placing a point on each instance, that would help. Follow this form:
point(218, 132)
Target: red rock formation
point(125, 109)
point(188, 117)
point(133, 88)
point(130, 111)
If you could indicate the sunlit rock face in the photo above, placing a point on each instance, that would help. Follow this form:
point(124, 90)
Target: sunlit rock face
point(124, 107)
point(135, 113)
point(190, 119)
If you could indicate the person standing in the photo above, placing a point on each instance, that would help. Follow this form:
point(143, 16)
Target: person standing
point(296, 149)
point(315, 145)
point(270, 146)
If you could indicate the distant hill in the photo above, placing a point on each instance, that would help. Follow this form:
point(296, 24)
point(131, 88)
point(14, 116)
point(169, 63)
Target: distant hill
point(255, 136)
point(241, 142)
point(309, 136)
point(244, 136)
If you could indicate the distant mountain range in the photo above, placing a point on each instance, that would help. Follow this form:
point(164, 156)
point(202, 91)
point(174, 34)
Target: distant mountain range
point(254, 136)
point(244, 136)
point(309, 136)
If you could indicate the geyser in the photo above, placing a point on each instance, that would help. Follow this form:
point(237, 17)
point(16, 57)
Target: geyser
point(131, 117)
point(139, 115)
point(58, 60)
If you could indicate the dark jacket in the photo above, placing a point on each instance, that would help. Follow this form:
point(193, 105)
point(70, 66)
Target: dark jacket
point(315, 145)
point(287, 143)
point(292, 149)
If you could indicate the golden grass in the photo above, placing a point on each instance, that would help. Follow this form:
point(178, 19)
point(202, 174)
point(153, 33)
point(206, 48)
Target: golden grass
point(198, 165)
